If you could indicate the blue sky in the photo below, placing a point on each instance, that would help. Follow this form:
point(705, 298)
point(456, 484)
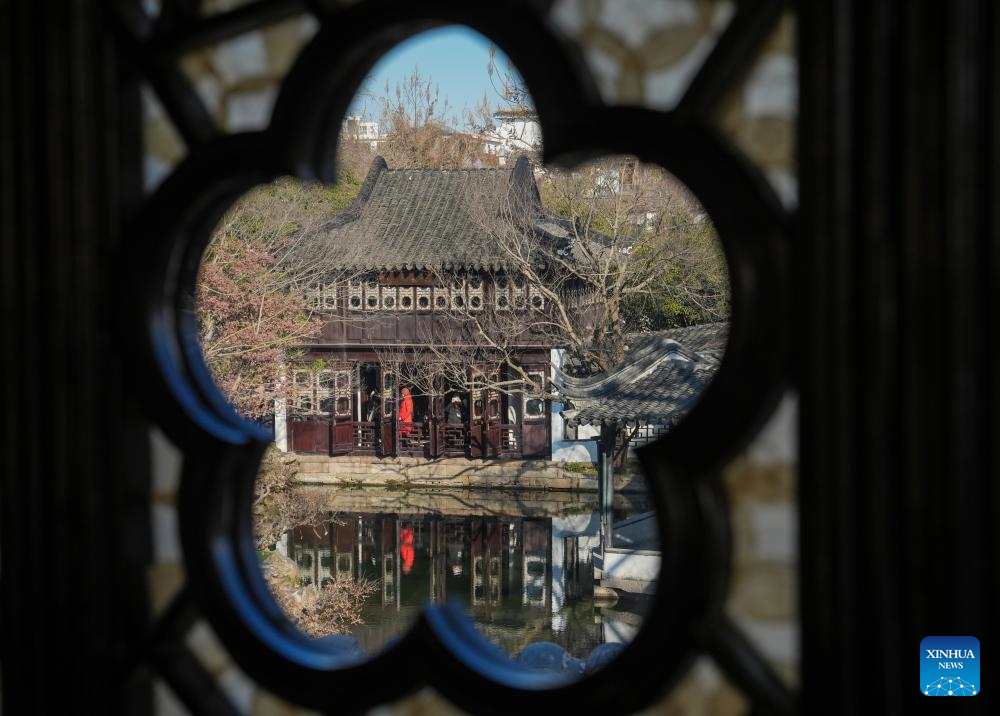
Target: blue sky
point(454, 57)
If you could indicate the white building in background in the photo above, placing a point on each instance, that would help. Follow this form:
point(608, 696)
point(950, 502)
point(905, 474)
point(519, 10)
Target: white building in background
point(517, 132)
point(357, 127)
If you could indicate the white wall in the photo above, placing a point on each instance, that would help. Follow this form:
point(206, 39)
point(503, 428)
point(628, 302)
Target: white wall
point(281, 424)
point(581, 449)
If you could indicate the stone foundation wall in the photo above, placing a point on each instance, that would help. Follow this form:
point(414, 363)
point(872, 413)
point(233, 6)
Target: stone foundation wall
point(412, 472)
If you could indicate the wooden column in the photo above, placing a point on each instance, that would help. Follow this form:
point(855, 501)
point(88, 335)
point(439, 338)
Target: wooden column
point(606, 481)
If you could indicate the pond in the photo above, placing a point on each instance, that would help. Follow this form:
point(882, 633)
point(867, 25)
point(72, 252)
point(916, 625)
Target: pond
point(522, 563)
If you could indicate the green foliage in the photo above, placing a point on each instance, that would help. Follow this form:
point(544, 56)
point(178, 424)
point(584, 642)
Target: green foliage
point(691, 287)
point(343, 193)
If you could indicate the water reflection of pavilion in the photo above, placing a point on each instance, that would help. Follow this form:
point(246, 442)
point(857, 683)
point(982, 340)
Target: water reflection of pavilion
point(481, 560)
point(523, 579)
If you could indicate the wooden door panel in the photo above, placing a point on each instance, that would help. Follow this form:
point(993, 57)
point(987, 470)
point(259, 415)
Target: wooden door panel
point(343, 436)
point(388, 446)
point(493, 440)
point(476, 450)
point(310, 436)
point(534, 438)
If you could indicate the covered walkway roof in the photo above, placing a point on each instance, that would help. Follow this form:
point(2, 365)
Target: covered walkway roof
point(660, 379)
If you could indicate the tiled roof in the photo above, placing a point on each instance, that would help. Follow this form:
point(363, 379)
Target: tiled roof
point(423, 219)
point(659, 381)
point(707, 339)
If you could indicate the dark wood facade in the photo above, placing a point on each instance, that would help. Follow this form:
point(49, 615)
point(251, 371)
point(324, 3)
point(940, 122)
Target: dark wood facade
point(348, 395)
point(414, 273)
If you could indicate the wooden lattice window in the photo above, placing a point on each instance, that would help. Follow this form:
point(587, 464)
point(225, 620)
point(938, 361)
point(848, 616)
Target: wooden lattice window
point(389, 395)
point(322, 296)
point(304, 398)
point(535, 298)
point(406, 302)
point(342, 393)
point(390, 299)
point(423, 298)
point(322, 392)
point(457, 293)
point(476, 385)
point(501, 292)
point(355, 295)
point(474, 290)
point(534, 400)
point(518, 292)
point(372, 295)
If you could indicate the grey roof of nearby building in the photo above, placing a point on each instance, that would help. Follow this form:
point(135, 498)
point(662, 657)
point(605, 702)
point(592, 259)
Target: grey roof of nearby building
point(706, 339)
point(406, 219)
point(659, 381)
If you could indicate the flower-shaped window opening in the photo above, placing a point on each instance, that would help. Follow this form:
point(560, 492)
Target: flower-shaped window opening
point(469, 386)
point(451, 397)
point(422, 392)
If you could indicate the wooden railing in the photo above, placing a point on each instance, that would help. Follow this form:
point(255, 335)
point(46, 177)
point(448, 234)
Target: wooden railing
point(366, 438)
point(452, 439)
point(510, 440)
point(427, 438)
point(413, 439)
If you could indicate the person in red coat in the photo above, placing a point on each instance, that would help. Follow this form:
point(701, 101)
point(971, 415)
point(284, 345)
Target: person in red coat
point(405, 412)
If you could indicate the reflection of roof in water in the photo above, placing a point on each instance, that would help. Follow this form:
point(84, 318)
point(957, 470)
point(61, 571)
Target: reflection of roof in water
point(660, 379)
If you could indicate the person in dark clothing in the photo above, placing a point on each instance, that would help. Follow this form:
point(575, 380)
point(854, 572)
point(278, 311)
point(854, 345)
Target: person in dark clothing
point(454, 414)
point(373, 407)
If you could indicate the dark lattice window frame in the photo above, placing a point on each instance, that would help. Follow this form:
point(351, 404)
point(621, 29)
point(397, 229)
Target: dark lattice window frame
point(224, 581)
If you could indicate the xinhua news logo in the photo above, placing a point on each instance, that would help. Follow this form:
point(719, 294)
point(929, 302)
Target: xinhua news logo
point(949, 666)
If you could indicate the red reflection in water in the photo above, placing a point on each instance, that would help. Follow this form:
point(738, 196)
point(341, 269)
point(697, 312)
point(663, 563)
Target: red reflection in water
point(406, 548)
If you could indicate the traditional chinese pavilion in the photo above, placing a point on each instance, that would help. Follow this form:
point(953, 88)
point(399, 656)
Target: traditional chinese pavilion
point(409, 268)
